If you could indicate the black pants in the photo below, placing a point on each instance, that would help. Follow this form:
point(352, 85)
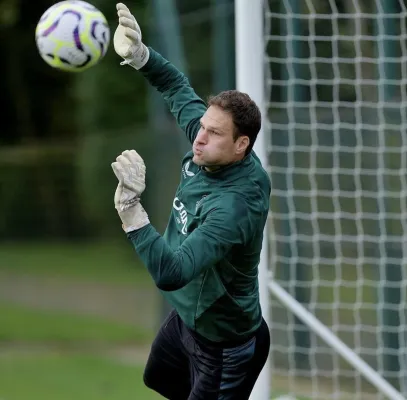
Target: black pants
point(183, 366)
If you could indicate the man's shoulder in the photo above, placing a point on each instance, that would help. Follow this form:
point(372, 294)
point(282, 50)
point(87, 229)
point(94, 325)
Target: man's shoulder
point(254, 181)
point(260, 170)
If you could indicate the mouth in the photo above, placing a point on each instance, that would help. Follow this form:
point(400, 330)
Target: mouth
point(197, 151)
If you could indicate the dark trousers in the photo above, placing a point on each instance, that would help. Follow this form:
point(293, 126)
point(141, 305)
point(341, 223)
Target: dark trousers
point(185, 366)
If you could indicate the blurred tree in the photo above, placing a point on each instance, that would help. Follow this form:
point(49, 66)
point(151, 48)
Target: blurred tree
point(196, 29)
point(38, 109)
point(36, 99)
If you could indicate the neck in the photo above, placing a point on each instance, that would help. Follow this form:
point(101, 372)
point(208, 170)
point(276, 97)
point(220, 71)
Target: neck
point(213, 168)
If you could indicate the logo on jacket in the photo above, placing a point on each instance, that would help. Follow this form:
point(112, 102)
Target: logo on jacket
point(185, 170)
point(182, 214)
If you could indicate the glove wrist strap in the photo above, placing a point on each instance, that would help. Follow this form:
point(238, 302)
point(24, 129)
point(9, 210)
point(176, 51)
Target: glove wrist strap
point(139, 58)
point(134, 218)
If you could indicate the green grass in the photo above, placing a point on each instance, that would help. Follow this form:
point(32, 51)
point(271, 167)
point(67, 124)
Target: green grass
point(61, 355)
point(114, 262)
point(23, 324)
point(68, 377)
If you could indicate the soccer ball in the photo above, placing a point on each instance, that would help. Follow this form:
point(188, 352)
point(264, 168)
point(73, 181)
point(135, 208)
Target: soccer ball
point(72, 36)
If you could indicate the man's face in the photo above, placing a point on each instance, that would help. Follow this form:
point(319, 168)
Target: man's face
point(214, 145)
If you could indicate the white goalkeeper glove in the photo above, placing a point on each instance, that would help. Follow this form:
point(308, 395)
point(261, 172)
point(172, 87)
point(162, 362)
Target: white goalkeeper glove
point(130, 170)
point(127, 39)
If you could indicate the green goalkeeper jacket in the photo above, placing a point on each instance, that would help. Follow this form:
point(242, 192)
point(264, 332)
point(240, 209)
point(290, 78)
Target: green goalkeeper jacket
point(206, 263)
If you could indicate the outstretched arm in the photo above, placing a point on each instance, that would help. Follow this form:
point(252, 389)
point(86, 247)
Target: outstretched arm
point(180, 97)
point(202, 249)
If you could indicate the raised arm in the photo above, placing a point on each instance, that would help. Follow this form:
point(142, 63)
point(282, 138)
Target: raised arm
point(185, 105)
point(180, 97)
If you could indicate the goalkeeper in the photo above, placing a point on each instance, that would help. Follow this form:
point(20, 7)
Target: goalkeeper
point(215, 342)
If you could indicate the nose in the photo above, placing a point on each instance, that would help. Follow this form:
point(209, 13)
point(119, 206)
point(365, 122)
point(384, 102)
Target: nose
point(202, 136)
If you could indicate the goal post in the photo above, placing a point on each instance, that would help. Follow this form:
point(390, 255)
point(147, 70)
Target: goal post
point(249, 39)
point(330, 77)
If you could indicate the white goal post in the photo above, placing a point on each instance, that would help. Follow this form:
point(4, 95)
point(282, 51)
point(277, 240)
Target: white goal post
point(249, 78)
point(333, 273)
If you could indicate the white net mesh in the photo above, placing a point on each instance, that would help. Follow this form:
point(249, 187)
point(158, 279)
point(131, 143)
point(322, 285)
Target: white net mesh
point(338, 162)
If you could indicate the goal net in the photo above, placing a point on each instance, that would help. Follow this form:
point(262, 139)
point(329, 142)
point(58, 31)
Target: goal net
point(336, 76)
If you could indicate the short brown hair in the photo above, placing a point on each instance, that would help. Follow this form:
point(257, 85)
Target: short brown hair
point(245, 114)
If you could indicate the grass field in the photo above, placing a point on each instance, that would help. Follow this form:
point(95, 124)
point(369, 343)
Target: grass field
point(23, 324)
point(48, 354)
point(68, 377)
point(51, 355)
point(112, 262)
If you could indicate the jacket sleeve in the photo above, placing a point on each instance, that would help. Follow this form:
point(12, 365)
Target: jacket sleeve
point(185, 105)
point(203, 248)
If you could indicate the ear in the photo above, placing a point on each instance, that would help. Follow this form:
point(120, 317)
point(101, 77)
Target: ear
point(241, 144)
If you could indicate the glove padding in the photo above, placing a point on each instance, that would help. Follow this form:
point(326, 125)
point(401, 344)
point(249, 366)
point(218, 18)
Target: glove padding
point(127, 39)
point(130, 170)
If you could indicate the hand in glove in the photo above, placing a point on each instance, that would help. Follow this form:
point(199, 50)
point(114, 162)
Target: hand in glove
point(130, 170)
point(127, 39)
